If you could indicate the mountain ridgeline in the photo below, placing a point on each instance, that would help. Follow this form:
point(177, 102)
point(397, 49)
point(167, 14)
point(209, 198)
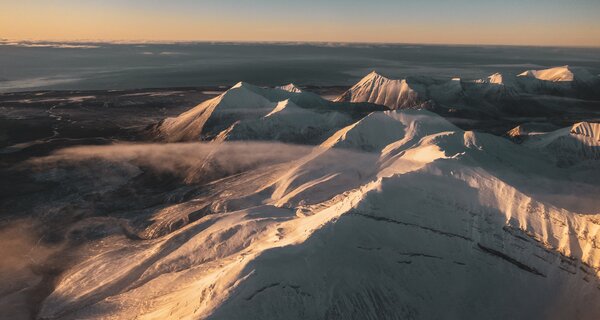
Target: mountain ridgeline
point(249, 112)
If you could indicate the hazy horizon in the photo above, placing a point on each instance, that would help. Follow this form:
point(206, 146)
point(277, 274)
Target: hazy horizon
point(533, 23)
point(17, 41)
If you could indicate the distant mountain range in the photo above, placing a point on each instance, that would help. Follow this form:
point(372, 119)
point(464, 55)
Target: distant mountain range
point(248, 112)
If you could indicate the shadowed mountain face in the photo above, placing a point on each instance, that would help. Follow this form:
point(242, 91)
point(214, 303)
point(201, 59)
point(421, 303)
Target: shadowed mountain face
point(274, 203)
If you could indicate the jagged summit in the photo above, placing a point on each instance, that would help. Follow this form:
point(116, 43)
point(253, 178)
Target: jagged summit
point(285, 106)
point(495, 78)
point(290, 87)
point(587, 129)
point(531, 129)
point(379, 129)
point(556, 74)
point(239, 85)
point(286, 122)
point(375, 88)
point(373, 75)
point(570, 145)
point(245, 102)
point(562, 74)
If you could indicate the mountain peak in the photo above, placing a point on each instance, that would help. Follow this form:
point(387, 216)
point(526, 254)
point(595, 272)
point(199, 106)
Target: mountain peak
point(587, 129)
point(281, 106)
point(556, 74)
point(290, 87)
point(372, 76)
point(375, 88)
point(496, 78)
point(239, 85)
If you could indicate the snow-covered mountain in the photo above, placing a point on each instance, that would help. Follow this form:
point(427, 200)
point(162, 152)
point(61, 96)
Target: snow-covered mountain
point(495, 95)
point(525, 130)
point(570, 145)
point(495, 78)
point(399, 215)
point(245, 106)
point(428, 93)
point(493, 88)
point(287, 122)
point(564, 80)
point(394, 94)
point(560, 74)
point(242, 102)
point(290, 87)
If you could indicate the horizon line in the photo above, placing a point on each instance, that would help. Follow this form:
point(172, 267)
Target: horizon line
point(4, 41)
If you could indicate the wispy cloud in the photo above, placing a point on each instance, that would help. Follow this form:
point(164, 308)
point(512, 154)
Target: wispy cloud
point(38, 82)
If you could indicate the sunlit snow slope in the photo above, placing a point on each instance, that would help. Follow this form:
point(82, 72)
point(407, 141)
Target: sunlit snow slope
point(400, 215)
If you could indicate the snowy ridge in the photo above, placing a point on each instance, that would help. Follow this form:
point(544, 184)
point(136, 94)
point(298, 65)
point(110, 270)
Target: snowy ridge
point(497, 89)
point(287, 107)
point(587, 129)
point(242, 102)
point(287, 122)
point(495, 78)
point(570, 145)
point(375, 88)
point(529, 129)
point(392, 214)
point(566, 79)
point(555, 74)
point(190, 125)
point(290, 87)
point(495, 94)
point(561, 74)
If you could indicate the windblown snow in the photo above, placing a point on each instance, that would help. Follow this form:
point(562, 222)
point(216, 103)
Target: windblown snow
point(397, 215)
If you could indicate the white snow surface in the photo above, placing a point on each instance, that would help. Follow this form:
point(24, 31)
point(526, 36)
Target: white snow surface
point(290, 87)
point(241, 102)
point(560, 74)
point(495, 78)
point(400, 215)
point(287, 122)
point(530, 129)
point(427, 92)
point(375, 88)
point(570, 145)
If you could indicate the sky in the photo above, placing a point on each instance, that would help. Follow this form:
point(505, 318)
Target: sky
point(511, 22)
